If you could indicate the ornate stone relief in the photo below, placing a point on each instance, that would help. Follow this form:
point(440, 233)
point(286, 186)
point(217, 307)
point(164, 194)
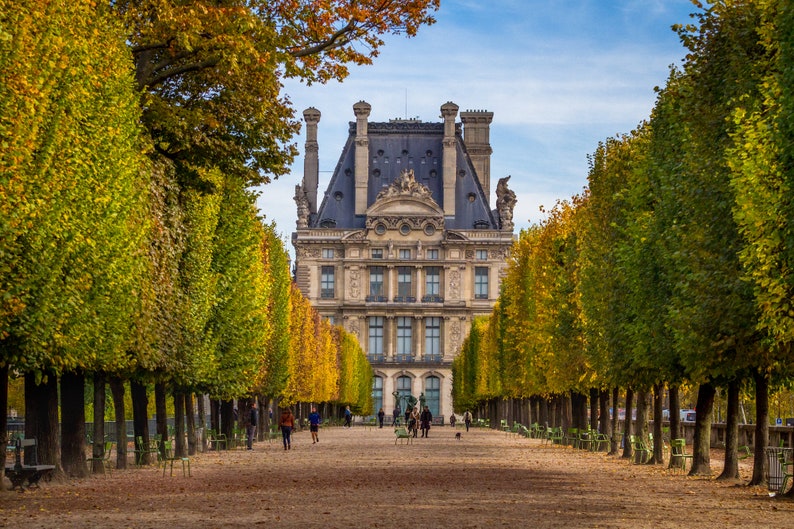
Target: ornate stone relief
point(310, 253)
point(454, 335)
point(355, 287)
point(303, 207)
point(352, 326)
point(405, 185)
point(454, 284)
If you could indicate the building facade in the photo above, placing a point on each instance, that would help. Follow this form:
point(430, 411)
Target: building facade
point(404, 249)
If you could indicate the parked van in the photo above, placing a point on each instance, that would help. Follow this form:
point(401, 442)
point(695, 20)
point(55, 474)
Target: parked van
point(687, 415)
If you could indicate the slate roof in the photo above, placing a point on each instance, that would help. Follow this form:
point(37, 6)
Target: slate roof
point(396, 146)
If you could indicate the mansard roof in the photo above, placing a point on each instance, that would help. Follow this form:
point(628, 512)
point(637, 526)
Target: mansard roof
point(395, 147)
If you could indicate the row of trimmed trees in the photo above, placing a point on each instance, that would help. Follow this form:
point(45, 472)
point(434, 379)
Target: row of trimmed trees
point(131, 133)
point(674, 267)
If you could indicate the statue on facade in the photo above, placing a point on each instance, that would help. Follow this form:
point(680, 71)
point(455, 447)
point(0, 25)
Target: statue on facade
point(302, 201)
point(505, 202)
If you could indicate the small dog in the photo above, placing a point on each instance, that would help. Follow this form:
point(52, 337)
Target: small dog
point(457, 436)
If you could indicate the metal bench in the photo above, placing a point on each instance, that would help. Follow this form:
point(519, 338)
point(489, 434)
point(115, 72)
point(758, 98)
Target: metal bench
point(20, 474)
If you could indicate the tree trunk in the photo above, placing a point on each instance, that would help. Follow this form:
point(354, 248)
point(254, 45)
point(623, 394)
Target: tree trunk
point(140, 414)
point(190, 424)
point(117, 390)
point(614, 442)
point(3, 416)
point(41, 420)
point(658, 441)
point(593, 409)
point(566, 412)
point(162, 415)
point(215, 413)
point(180, 450)
point(227, 418)
point(675, 413)
point(641, 425)
point(701, 461)
point(627, 423)
point(73, 425)
point(262, 424)
point(202, 421)
point(761, 427)
point(98, 450)
point(731, 469)
point(603, 412)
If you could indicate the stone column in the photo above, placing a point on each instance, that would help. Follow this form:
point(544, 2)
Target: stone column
point(311, 161)
point(419, 333)
point(476, 136)
point(449, 111)
point(388, 336)
point(361, 110)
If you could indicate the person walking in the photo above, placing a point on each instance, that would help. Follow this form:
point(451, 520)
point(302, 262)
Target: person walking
point(250, 428)
point(452, 420)
point(348, 417)
point(415, 421)
point(314, 425)
point(395, 415)
point(467, 419)
point(287, 424)
point(425, 419)
point(381, 416)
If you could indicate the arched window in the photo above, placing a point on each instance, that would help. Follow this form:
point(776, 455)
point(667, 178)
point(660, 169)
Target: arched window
point(433, 394)
point(377, 394)
point(404, 389)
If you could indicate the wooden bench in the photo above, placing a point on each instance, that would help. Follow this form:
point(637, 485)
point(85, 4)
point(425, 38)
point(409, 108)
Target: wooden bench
point(402, 433)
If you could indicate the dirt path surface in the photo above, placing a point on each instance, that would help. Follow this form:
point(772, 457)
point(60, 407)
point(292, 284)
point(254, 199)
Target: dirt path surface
point(358, 478)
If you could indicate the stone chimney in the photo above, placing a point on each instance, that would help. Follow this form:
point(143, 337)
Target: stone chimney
point(449, 112)
point(477, 137)
point(311, 161)
point(361, 110)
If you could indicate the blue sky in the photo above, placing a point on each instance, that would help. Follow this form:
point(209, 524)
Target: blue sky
point(559, 76)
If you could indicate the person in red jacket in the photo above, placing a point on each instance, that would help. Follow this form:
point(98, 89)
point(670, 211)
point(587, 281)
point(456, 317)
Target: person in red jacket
point(287, 424)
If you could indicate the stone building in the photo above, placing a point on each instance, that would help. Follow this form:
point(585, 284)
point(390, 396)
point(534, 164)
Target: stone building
point(404, 249)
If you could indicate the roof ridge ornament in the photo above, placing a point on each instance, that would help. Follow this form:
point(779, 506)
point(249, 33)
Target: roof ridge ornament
point(405, 184)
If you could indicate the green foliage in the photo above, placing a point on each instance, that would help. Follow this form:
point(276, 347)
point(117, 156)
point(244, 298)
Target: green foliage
point(73, 193)
point(674, 267)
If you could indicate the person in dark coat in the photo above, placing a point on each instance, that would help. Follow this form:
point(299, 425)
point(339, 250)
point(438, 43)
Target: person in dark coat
point(250, 428)
point(424, 420)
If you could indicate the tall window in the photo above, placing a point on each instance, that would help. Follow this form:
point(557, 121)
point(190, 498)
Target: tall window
point(377, 393)
point(404, 337)
point(375, 336)
point(433, 281)
point(327, 282)
point(433, 394)
point(376, 281)
point(404, 281)
point(432, 336)
point(480, 282)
